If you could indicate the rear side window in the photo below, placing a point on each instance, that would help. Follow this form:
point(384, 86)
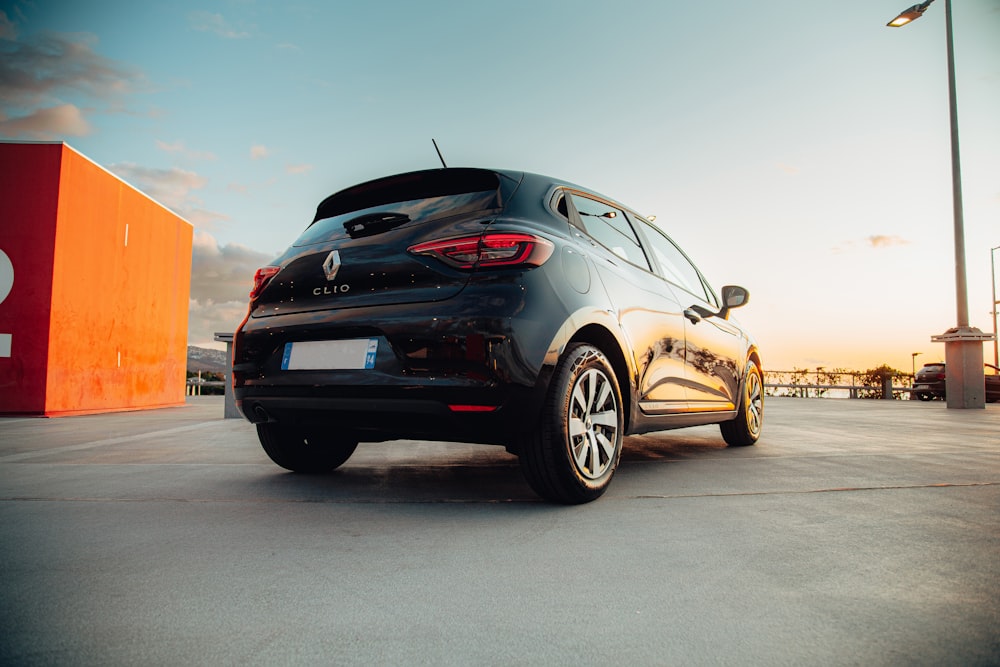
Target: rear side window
point(374, 207)
point(608, 226)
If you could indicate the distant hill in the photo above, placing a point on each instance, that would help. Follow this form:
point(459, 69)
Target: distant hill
point(204, 359)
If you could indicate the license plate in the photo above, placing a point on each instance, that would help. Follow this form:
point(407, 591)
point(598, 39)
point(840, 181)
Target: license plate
point(354, 354)
point(922, 386)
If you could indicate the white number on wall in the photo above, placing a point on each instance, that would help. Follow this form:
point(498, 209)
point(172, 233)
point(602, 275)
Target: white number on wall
point(6, 283)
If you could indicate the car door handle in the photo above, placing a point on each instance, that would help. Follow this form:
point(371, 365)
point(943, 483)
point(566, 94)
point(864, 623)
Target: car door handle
point(692, 315)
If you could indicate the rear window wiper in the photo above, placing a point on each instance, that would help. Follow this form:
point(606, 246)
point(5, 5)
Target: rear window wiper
point(374, 223)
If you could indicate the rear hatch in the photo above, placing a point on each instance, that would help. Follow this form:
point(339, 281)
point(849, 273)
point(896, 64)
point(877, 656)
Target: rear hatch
point(355, 251)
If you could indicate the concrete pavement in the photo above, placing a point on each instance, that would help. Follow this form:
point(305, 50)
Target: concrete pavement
point(856, 532)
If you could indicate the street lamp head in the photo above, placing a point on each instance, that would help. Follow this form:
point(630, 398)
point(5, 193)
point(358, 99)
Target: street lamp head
point(911, 14)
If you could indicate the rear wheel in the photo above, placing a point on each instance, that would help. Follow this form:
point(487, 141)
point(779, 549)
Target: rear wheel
point(306, 450)
point(572, 455)
point(745, 429)
point(924, 396)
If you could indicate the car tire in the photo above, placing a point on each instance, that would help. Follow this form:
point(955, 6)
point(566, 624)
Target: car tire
point(304, 450)
point(745, 429)
point(572, 455)
point(924, 396)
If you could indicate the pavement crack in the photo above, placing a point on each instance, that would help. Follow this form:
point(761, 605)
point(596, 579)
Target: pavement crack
point(488, 501)
point(278, 501)
point(844, 489)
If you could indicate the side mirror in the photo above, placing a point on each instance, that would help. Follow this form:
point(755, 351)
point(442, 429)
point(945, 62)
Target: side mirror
point(733, 296)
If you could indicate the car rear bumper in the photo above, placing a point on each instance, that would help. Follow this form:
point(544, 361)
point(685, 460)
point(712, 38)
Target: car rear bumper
point(445, 376)
point(378, 418)
point(937, 387)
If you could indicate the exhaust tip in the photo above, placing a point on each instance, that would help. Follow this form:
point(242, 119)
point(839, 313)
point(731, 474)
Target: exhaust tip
point(260, 415)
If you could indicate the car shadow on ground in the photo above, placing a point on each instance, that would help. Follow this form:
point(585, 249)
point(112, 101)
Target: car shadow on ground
point(459, 473)
point(673, 445)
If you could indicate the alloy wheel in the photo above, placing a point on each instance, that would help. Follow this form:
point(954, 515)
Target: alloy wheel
point(593, 423)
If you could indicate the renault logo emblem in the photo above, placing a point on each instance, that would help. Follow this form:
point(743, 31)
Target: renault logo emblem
point(331, 265)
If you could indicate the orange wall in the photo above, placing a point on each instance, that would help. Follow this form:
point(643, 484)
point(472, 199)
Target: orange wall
point(118, 307)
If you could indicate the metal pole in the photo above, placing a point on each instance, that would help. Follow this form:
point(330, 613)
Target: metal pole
point(961, 288)
point(963, 345)
point(993, 284)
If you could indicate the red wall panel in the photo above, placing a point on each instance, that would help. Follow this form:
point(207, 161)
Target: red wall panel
point(29, 195)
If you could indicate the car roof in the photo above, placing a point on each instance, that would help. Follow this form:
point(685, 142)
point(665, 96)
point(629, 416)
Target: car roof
point(513, 175)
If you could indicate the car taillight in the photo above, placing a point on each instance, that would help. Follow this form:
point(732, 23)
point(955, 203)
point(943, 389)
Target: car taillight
point(261, 278)
point(490, 250)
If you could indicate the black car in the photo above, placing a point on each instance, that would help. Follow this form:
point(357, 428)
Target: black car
point(929, 382)
point(492, 307)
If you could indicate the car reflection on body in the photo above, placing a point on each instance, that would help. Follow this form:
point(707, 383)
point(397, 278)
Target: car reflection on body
point(929, 382)
point(492, 307)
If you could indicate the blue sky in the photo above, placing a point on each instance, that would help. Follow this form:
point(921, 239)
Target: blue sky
point(797, 148)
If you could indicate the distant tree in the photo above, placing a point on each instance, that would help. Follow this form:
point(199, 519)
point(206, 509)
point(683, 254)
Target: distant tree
point(827, 378)
point(801, 376)
point(872, 381)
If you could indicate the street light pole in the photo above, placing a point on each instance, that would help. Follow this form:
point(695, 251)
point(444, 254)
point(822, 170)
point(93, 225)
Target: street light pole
point(993, 284)
point(961, 286)
point(965, 382)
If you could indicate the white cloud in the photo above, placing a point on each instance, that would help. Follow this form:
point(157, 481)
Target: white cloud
point(875, 242)
point(205, 319)
point(46, 124)
point(258, 152)
point(39, 71)
point(42, 77)
point(204, 219)
point(883, 241)
point(221, 276)
point(298, 168)
point(171, 187)
point(178, 147)
point(174, 188)
point(215, 23)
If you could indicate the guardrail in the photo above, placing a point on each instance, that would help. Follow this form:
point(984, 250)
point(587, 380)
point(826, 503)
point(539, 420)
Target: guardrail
point(196, 388)
point(843, 391)
point(831, 384)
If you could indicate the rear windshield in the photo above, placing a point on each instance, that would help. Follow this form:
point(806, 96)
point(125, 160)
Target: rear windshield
point(374, 207)
point(933, 368)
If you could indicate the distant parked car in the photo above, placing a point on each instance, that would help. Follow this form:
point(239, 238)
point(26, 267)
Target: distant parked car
point(493, 307)
point(929, 384)
point(992, 383)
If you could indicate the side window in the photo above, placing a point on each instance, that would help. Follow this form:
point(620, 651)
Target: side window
point(561, 207)
point(608, 226)
point(674, 265)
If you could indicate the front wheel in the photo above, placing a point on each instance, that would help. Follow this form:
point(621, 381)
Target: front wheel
point(745, 429)
point(305, 450)
point(572, 455)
